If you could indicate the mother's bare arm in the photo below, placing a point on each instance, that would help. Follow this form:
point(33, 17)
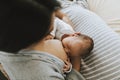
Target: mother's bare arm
point(63, 16)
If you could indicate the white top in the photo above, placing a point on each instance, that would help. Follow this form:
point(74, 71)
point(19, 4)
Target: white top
point(61, 28)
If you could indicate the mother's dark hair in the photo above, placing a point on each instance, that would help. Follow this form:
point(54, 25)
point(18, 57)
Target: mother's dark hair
point(23, 22)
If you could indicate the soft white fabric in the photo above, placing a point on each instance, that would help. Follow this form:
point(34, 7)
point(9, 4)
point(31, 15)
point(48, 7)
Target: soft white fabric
point(109, 10)
point(61, 28)
point(104, 61)
point(67, 3)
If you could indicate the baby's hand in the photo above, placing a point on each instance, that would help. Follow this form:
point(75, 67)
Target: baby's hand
point(67, 67)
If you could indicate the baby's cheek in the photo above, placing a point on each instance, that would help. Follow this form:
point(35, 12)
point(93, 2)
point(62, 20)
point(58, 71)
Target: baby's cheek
point(75, 53)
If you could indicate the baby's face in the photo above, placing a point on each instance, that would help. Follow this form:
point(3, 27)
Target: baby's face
point(73, 45)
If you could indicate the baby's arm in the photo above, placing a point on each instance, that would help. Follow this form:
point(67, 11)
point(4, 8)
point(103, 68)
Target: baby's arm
point(76, 62)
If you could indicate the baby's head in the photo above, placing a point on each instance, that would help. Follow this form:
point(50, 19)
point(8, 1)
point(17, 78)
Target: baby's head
point(77, 44)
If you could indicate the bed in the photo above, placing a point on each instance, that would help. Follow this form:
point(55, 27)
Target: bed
point(108, 10)
point(104, 61)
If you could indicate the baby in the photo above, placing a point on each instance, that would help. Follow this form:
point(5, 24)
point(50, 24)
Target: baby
point(76, 45)
point(72, 41)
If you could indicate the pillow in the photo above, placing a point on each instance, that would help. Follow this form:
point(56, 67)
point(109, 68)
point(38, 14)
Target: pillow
point(109, 10)
point(104, 61)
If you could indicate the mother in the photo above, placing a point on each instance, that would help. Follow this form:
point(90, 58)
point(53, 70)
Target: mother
point(24, 25)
